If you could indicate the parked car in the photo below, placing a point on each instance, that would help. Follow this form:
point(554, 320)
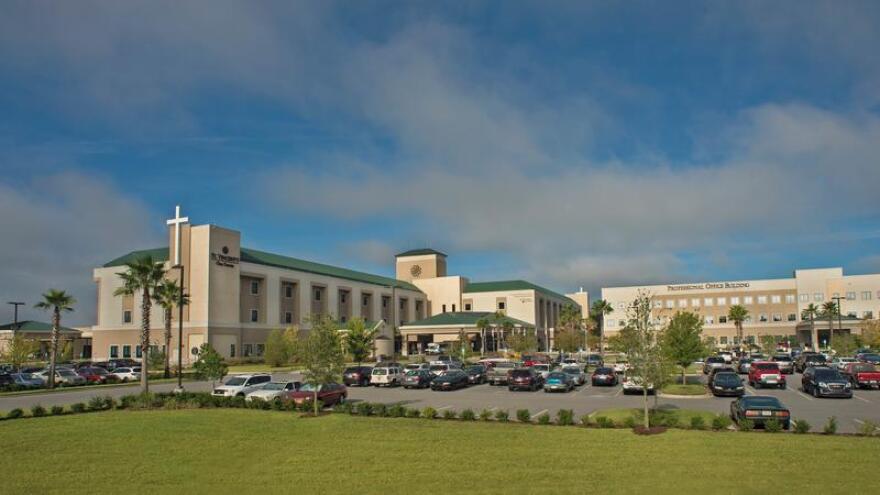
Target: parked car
point(576, 374)
point(760, 409)
point(840, 362)
point(525, 379)
point(604, 376)
point(476, 374)
point(416, 367)
point(387, 376)
point(542, 369)
point(241, 385)
point(439, 369)
point(329, 394)
point(807, 359)
point(870, 358)
point(26, 380)
point(822, 381)
point(500, 372)
point(727, 356)
point(743, 366)
point(357, 376)
point(595, 360)
point(713, 362)
point(862, 375)
point(558, 381)
point(710, 380)
point(621, 367)
point(418, 379)
point(273, 391)
point(64, 377)
point(432, 348)
point(450, 380)
point(786, 364)
point(766, 374)
point(635, 384)
point(96, 374)
point(127, 374)
point(6, 380)
point(727, 383)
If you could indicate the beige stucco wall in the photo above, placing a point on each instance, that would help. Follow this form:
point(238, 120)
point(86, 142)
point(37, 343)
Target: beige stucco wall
point(442, 291)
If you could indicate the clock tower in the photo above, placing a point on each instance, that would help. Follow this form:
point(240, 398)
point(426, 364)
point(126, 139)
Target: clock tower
point(418, 264)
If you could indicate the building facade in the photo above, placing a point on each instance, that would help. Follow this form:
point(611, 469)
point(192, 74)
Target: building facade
point(776, 307)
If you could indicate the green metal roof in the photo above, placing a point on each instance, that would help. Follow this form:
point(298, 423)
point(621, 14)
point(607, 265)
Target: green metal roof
point(31, 326)
point(277, 260)
point(509, 285)
point(419, 252)
point(464, 319)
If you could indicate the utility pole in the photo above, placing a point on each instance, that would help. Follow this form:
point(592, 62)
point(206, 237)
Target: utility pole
point(15, 318)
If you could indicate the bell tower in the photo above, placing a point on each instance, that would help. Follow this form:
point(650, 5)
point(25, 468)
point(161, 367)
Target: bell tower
point(418, 264)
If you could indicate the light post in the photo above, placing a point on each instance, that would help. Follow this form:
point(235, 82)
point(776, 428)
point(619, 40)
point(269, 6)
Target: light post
point(15, 317)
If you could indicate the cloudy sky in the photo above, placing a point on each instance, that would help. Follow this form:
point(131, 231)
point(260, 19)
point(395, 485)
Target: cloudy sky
point(572, 144)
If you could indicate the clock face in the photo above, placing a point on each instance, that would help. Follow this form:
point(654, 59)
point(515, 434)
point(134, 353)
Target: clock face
point(416, 270)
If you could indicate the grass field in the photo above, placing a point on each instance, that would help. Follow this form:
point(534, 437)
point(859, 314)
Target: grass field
point(247, 451)
point(690, 389)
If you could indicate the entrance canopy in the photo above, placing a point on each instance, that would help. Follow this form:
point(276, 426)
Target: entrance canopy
point(464, 320)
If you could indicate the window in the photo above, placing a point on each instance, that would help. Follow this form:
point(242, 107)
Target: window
point(126, 316)
point(792, 317)
point(342, 297)
point(288, 317)
point(776, 299)
point(444, 308)
point(247, 350)
point(722, 301)
point(610, 323)
point(138, 353)
point(114, 351)
point(670, 303)
point(695, 303)
point(850, 296)
point(288, 291)
point(255, 287)
point(710, 320)
point(126, 351)
point(805, 297)
point(734, 300)
point(866, 295)
point(777, 317)
point(501, 305)
point(818, 296)
point(851, 314)
point(260, 349)
point(748, 300)
point(868, 315)
point(722, 318)
point(658, 303)
point(763, 317)
point(723, 340)
point(365, 301)
point(762, 299)
point(317, 294)
point(708, 301)
point(453, 308)
point(467, 306)
point(231, 350)
point(789, 298)
point(255, 316)
point(682, 303)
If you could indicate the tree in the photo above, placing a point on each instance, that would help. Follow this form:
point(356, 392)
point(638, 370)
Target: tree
point(845, 345)
point(570, 336)
point(144, 275)
point(277, 350)
point(483, 324)
point(598, 311)
point(643, 349)
point(810, 313)
point(19, 350)
point(871, 334)
point(462, 346)
point(768, 344)
point(830, 310)
point(156, 357)
point(682, 340)
point(524, 340)
point(360, 340)
point(321, 354)
point(738, 314)
point(168, 295)
point(209, 365)
point(57, 301)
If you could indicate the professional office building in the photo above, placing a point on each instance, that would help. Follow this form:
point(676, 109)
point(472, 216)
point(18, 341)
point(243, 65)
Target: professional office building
point(775, 306)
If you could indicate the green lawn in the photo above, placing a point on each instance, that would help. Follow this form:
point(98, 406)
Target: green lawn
point(249, 451)
point(690, 389)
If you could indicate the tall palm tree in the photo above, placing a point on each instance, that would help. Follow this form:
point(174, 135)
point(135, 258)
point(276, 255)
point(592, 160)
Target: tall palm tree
point(482, 325)
point(738, 314)
point(57, 301)
point(598, 310)
point(168, 294)
point(811, 312)
point(144, 275)
point(830, 310)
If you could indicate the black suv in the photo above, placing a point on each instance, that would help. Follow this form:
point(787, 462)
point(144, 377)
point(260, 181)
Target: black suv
point(357, 376)
point(808, 359)
point(525, 379)
point(826, 382)
point(710, 381)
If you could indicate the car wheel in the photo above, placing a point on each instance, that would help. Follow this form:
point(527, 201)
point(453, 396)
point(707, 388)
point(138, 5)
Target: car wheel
point(815, 391)
point(783, 386)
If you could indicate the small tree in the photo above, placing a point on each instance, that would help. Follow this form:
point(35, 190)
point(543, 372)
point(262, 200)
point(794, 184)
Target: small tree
point(168, 295)
point(643, 348)
point(277, 350)
point(810, 313)
point(871, 334)
point(523, 340)
point(570, 336)
point(598, 311)
point(19, 350)
point(845, 345)
point(738, 314)
point(682, 340)
point(768, 344)
point(57, 301)
point(483, 325)
point(321, 354)
point(156, 357)
point(830, 310)
point(210, 365)
point(360, 340)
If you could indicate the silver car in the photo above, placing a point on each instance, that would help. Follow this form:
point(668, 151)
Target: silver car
point(63, 376)
point(576, 374)
point(27, 380)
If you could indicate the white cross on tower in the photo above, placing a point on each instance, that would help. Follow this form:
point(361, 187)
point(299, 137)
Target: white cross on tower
point(177, 221)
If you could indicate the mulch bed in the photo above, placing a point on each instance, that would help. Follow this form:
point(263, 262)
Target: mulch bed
point(654, 430)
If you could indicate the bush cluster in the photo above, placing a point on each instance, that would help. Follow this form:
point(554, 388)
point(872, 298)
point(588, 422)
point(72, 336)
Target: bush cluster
point(523, 416)
point(801, 426)
point(565, 417)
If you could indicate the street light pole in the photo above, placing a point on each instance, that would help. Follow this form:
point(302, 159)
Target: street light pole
point(15, 318)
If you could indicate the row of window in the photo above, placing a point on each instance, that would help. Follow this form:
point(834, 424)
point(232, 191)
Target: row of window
point(126, 351)
point(697, 302)
point(762, 317)
point(866, 295)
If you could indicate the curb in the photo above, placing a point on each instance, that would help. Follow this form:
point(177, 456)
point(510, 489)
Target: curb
point(670, 396)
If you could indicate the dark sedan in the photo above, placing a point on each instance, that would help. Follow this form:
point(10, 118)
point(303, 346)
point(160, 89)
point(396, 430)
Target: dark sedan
point(451, 380)
point(524, 379)
point(727, 383)
point(826, 382)
point(760, 409)
point(476, 374)
point(604, 376)
point(357, 376)
point(418, 379)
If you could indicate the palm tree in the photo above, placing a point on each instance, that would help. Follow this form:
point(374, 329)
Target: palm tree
point(811, 312)
point(598, 311)
point(830, 310)
point(144, 275)
point(482, 325)
point(738, 314)
point(57, 301)
point(168, 294)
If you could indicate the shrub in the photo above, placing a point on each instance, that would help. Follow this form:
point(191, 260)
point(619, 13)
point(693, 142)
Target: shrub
point(721, 422)
point(238, 402)
point(544, 419)
point(565, 417)
point(96, 403)
point(364, 408)
point(604, 422)
point(380, 410)
point(746, 425)
point(830, 427)
point(629, 422)
point(449, 414)
point(485, 415)
point(429, 413)
point(109, 402)
point(412, 412)
point(78, 407)
point(502, 415)
point(396, 411)
point(772, 426)
point(669, 421)
point(468, 415)
point(585, 420)
point(523, 416)
point(698, 423)
point(867, 428)
point(801, 426)
point(38, 410)
point(14, 414)
point(57, 410)
point(277, 405)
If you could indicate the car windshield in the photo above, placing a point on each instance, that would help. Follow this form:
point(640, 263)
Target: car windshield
point(520, 373)
point(380, 371)
point(475, 369)
point(816, 358)
point(604, 371)
point(781, 358)
point(235, 382)
point(761, 402)
point(765, 366)
point(412, 373)
point(275, 386)
point(725, 378)
point(413, 366)
point(308, 387)
point(715, 359)
point(64, 372)
point(571, 370)
point(864, 368)
point(828, 374)
point(541, 367)
point(439, 367)
point(505, 365)
point(556, 376)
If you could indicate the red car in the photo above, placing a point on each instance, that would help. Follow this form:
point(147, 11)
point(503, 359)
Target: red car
point(766, 374)
point(329, 394)
point(862, 375)
point(95, 374)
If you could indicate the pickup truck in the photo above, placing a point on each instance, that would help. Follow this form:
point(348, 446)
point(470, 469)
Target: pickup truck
point(498, 374)
point(862, 375)
point(766, 374)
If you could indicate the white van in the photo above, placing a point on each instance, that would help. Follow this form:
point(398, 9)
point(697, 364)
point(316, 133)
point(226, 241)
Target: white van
point(390, 376)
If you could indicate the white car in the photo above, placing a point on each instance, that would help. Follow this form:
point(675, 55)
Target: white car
point(63, 376)
point(728, 356)
point(390, 376)
point(542, 369)
point(432, 348)
point(272, 391)
point(632, 384)
point(841, 362)
point(621, 367)
point(127, 374)
point(417, 367)
point(241, 385)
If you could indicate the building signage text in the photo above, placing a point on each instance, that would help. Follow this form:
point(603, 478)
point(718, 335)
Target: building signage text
point(709, 285)
point(224, 259)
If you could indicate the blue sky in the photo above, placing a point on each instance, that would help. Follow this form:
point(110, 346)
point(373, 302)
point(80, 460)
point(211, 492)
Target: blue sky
point(573, 143)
